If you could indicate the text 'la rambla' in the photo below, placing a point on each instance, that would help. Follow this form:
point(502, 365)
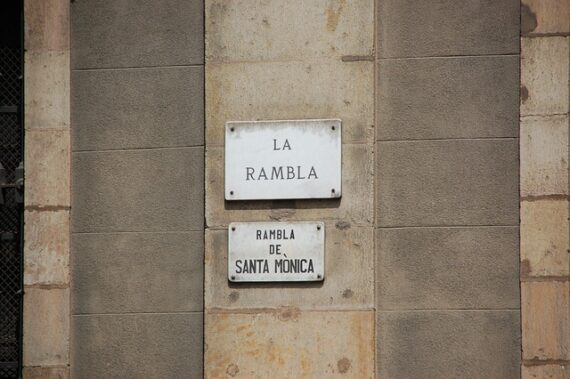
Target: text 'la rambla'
point(280, 172)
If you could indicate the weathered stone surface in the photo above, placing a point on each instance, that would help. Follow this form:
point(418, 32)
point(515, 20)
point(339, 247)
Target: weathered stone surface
point(282, 30)
point(137, 272)
point(448, 344)
point(545, 17)
point(46, 247)
point(46, 327)
point(289, 343)
point(137, 346)
point(138, 190)
point(290, 91)
point(46, 89)
point(46, 25)
point(47, 166)
point(544, 75)
point(355, 206)
point(45, 372)
point(546, 372)
point(545, 238)
point(544, 155)
point(461, 97)
point(454, 182)
point(121, 109)
point(349, 275)
point(134, 33)
point(546, 320)
point(408, 28)
point(421, 268)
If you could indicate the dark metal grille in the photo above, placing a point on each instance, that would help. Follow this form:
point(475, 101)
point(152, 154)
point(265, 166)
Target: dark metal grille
point(10, 211)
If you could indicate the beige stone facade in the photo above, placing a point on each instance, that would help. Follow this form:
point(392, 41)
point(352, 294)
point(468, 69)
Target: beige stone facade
point(545, 259)
point(447, 255)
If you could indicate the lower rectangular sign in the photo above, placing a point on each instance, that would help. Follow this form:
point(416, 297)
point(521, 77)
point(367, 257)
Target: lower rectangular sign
point(276, 251)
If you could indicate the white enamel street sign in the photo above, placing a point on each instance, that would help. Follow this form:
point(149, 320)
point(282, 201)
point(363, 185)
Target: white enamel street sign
point(283, 160)
point(276, 251)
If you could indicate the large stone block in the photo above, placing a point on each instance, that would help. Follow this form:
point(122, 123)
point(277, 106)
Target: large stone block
point(544, 238)
point(288, 343)
point(545, 17)
point(355, 207)
point(46, 89)
point(544, 75)
point(138, 190)
point(290, 91)
point(409, 28)
point(137, 346)
point(349, 275)
point(544, 155)
point(546, 372)
point(462, 97)
point(46, 247)
point(546, 320)
point(46, 25)
point(134, 33)
point(421, 268)
point(449, 344)
point(47, 166)
point(46, 327)
point(263, 30)
point(138, 108)
point(138, 272)
point(454, 182)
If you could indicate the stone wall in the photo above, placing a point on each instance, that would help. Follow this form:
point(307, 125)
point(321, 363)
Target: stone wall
point(545, 53)
point(447, 210)
point(292, 60)
point(47, 197)
point(138, 188)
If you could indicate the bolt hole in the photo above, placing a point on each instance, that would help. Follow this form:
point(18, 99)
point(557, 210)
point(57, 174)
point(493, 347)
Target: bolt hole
point(232, 192)
point(333, 191)
point(232, 129)
point(233, 228)
point(332, 127)
point(318, 227)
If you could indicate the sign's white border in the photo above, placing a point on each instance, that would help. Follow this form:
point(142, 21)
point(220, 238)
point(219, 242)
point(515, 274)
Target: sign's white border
point(309, 243)
point(315, 143)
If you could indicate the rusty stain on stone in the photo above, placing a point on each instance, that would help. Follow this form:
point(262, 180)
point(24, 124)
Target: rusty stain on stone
point(347, 293)
point(529, 21)
point(232, 370)
point(333, 15)
point(343, 225)
point(343, 365)
point(288, 314)
point(524, 94)
point(525, 268)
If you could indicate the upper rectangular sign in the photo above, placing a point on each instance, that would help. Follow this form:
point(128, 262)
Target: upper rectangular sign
point(283, 160)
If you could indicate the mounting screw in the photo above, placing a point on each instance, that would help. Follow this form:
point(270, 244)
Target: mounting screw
point(332, 127)
point(233, 228)
point(233, 277)
point(332, 190)
point(318, 276)
point(318, 227)
point(232, 192)
point(232, 129)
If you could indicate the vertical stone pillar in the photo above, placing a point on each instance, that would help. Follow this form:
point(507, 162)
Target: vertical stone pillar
point(447, 189)
point(545, 263)
point(271, 60)
point(47, 196)
point(138, 189)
